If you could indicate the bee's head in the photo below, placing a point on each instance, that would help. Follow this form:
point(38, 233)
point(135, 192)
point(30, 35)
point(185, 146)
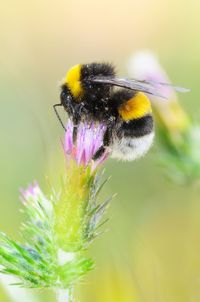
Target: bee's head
point(66, 97)
point(72, 82)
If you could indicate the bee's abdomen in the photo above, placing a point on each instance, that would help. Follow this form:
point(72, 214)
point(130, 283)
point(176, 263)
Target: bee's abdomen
point(137, 127)
point(133, 138)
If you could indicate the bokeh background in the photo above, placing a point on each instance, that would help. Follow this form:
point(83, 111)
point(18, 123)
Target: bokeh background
point(151, 251)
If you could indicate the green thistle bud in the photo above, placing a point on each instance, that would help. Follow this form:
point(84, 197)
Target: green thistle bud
point(60, 225)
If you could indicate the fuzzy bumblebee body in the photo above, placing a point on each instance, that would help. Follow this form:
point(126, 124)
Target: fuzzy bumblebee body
point(89, 94)
point(133, 132)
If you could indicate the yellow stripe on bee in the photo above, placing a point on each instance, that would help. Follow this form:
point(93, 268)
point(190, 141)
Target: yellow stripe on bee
point(73, 80)
point(135, 108)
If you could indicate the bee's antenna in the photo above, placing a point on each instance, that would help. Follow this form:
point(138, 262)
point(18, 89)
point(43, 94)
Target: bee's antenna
point(58, 116)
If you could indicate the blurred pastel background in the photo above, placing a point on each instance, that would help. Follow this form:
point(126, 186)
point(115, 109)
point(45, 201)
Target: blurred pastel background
point(151, 251)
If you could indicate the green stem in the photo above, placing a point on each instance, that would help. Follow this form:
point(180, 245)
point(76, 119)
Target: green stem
point(66, 294)
point(63, 295)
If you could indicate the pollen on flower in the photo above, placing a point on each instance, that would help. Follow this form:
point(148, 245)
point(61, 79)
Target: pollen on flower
point(89, 140)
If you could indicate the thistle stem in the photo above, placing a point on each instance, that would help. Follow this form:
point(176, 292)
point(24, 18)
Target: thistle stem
point(63, 295)
point(66, 294)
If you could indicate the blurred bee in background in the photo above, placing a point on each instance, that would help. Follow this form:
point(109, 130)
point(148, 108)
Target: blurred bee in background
point(89, 94)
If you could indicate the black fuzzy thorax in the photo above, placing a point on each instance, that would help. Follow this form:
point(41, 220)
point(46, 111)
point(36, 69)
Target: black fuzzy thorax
point(97, 69)
point(95, 91)
point(93, 104)
point(97, 96)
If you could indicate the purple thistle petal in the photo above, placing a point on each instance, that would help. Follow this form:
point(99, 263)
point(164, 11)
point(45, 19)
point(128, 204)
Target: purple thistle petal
point(34, 197)
point(68, 138)
point(89, 140)
point(32, 192)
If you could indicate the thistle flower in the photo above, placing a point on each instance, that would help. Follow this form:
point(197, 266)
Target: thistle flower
point(178, 135)
point(89, 139)
point(60, 224)
point(73, 231)
point(145, 66)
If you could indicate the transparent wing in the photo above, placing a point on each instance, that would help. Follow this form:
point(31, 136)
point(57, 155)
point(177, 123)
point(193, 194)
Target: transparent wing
point(156, 84)
point(149, 87)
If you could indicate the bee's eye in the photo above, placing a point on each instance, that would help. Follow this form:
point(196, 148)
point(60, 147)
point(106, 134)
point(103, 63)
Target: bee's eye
point(63, 95)
point(65, 98)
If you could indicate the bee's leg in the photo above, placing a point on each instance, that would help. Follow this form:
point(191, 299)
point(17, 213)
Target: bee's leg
point(76, 122)
point(74, 134)
point(99, 153)
point(106, 143)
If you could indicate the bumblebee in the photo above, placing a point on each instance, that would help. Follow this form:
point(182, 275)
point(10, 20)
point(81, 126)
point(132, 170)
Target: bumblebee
point(91, 93)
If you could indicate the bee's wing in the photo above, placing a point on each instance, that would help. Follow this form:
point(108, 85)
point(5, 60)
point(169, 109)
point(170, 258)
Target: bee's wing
point(149, 87)
point(157, 84)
